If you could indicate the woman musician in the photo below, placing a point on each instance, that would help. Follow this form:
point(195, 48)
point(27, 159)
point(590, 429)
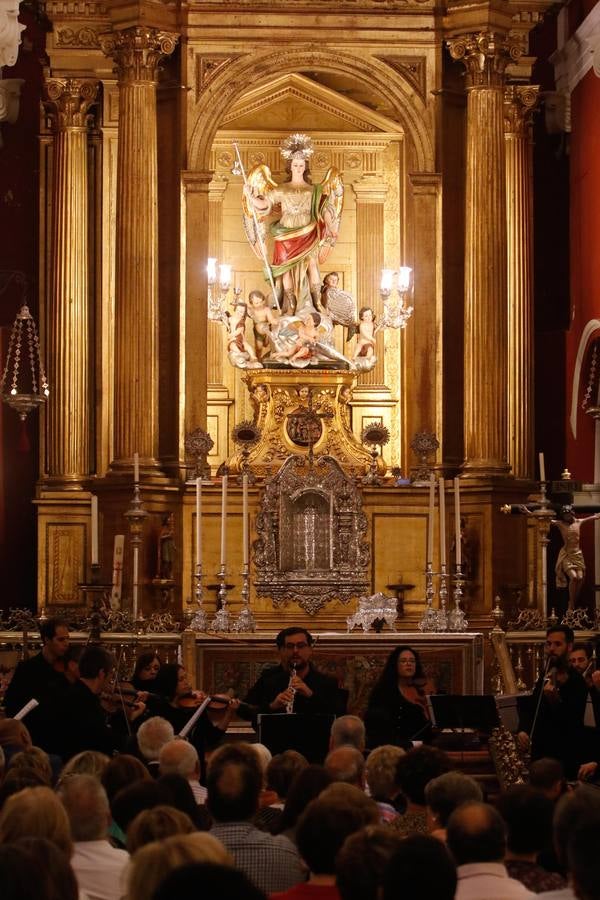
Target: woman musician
point(397, 712)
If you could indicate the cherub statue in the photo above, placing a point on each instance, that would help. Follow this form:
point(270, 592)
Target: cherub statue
point(241, 353)
point(264, 319)
point(365, 342)
point(307, 227)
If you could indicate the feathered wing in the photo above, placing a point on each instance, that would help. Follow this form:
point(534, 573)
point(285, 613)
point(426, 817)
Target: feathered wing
point(259, 183)
point(333, 203)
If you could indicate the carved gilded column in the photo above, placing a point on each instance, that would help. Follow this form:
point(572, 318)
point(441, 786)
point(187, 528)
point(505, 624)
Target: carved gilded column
point(485, 55)
point(370, 217)
point(519, 102)
point(137, 52)
point(216, 193)
point(67, 102)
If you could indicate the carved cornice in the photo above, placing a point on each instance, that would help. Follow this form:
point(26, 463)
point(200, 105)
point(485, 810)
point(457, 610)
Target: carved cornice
point(67, 101)
point(519, 105)
point(84, 38)
point(412, 68)
point(138, 51)
point(76, 9)
point(485, 55)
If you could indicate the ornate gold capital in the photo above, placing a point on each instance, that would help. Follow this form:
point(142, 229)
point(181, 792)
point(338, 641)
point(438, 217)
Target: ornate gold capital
point(485, 55)
point(138, 51)
point(68, 100)
point(519, 104)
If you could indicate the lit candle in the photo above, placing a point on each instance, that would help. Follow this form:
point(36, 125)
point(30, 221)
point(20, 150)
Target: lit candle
point(542, 467)
point(94, 530)
point(198, 521)
point(457, 529)
point(430, 520)
point(245, 519)
point(404, 274)
point(136, 467)
point(387, 278)
point(442, 522)
point(211, 270)
point(224, 521)
point(225, 276)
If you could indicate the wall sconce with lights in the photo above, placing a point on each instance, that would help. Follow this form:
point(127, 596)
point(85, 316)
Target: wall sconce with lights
point(395, 312)
point(218, 289)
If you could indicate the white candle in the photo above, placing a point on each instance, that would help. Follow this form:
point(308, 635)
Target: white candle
point(430, 519)
point(95, 559)
point(542, 467)
point(442, 522)
point(457, 528)
point(136, 467)
point(224, 521)
point(198, 521)
point(136, 565)
point(245, 519)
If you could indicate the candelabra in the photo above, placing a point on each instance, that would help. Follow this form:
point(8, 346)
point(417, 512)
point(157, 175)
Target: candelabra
point(395, 313)
point(457, 620)
point(100, 597)
point(218, 289)
point(429, 618)
point(136, 516)
point(222, 620)
point(245, 621)
point(198, 620)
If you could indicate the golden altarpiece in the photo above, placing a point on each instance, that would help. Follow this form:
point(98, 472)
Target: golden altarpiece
point(425, 111)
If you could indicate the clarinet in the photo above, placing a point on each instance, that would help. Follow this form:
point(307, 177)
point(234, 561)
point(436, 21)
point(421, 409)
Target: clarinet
point(290, 704)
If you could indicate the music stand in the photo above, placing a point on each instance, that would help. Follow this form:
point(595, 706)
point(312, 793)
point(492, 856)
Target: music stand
point(308, 735)
point(457, 712)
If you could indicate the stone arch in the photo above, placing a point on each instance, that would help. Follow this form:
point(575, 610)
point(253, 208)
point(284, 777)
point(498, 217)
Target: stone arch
point(233, 78)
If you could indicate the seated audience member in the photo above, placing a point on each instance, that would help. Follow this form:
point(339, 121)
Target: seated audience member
point(122, 771)
point(583, 861)
point(446, 793)
point(46, 872)
point(88, 762)
point(179, 757)
point(280, 774)
point(382, 781)
point(151, 864)
point(152, 735)
point(234, 785)
point(348, 731)
point(133, 800)
point(34, 758)
point(157, 824)
point(413, 772)
point(2, 764)
point(216, 881)
point(182, 798)
point(36, 812)
point(573, 811)
point(527, 814)
point(421, 868)
point(17, 780)
point(346, 764)
point(305, 787)
point(476, 837)
point(14, 737)
point(547, 775)
point(98, 866)
point(363, 860)
point(340, 811)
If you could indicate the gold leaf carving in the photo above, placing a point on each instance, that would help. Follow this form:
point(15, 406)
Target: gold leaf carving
point(412, 68)
point(85, 38)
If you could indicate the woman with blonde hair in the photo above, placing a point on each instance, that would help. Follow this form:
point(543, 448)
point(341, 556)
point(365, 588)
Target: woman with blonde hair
point(88, 762)
point(33, 758)
point(36, 812)
point(157, 824)
point(152, 863)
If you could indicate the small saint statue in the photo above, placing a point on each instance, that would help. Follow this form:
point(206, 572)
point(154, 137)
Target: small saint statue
point(166, 549)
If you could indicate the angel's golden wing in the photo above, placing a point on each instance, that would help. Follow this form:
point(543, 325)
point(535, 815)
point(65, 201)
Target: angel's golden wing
point(331, 209)
point(259, 185)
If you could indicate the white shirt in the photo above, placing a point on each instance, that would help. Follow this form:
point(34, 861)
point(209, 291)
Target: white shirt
point(198, 790)
point(565, 893)
point(489, 880)
point(99, 869)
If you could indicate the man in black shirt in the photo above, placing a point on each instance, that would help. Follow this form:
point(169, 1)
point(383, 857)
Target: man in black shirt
point(551, 719)
point(39, 676)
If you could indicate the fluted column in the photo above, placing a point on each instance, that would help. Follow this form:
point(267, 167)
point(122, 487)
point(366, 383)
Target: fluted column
point(370, 218)
point(67, 102)
point(216, 193)
point(485, 55)
point(137, 52)
point(519, 102)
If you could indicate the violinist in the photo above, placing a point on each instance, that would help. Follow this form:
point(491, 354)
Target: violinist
point(397, 711)
point(583, 661)
point(551, 720)
point(81, 722)
point(40, 675)
point(146, 671)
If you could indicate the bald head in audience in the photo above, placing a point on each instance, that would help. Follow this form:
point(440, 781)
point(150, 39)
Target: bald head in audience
point(348, 731)
point(476, 833)
point(346, 764)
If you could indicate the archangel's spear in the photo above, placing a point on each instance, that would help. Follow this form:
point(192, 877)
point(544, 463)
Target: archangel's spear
point(261, 243)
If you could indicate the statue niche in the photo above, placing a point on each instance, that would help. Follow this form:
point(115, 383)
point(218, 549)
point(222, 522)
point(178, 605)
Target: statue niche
point(311, 528)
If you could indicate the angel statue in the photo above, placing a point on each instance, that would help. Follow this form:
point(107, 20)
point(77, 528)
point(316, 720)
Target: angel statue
point(307, 227)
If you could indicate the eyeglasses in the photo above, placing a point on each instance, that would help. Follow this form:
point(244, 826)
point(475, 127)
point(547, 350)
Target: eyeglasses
point(406, 661)
point(301, 645)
